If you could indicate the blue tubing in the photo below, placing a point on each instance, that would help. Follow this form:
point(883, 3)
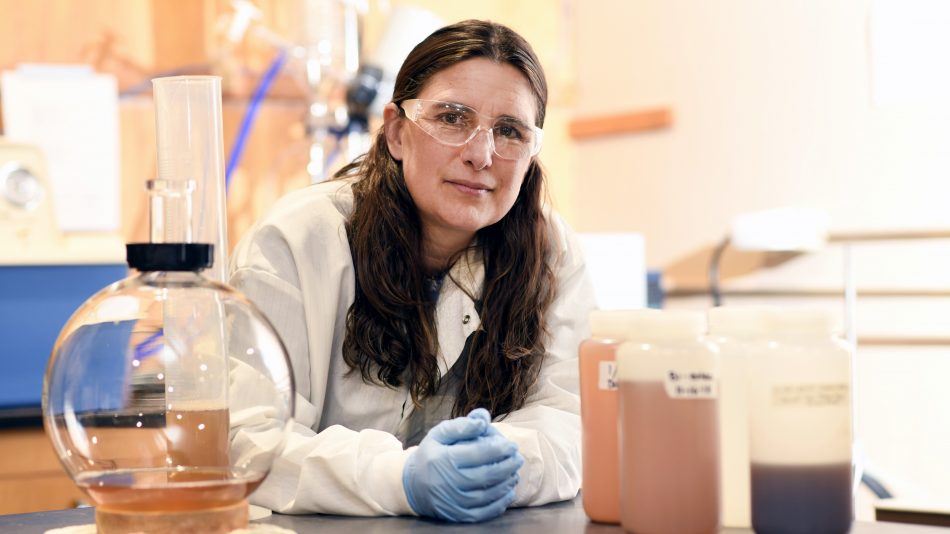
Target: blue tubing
point(238, 148)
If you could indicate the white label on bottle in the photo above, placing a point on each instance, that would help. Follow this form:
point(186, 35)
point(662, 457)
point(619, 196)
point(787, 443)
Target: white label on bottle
point(691, 384)
point(607, 377)
point(833, 394)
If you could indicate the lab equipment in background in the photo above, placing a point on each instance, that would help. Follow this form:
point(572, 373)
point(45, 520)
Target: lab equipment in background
point(599, 413)
point(327, 35)
point(617, 266)
point(367, 83)
point(45, 274)
point(740, 334)
point(29, 233)
point(72, 114)
point(655, 290)
point(782, 229)
point(372, 88)
point(322, 52)
point(800, 427)
point(27, 220)
point(669, 444)
point(168, 395)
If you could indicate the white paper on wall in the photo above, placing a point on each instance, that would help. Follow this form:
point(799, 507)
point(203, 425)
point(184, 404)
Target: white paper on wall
point(72, 114)
point(909, 44)
point(616, 263)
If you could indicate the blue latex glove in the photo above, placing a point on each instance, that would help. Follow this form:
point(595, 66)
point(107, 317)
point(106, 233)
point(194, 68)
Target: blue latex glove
point(464, 470)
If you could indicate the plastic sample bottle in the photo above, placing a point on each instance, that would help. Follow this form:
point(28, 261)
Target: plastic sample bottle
point(800, 427)
point(599, 398)
point(739, 332)
point(669, 443)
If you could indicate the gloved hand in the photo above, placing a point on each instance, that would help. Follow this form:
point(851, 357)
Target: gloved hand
point(464, 470)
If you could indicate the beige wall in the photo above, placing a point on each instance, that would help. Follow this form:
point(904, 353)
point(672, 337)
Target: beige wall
point(772, 104)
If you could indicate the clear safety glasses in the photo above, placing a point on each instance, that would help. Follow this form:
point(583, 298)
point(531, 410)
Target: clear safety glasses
point(454, 124)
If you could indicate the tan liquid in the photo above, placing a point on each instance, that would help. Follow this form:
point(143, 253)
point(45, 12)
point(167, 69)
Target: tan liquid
point(197, 438)
point(125, 447)
point(166, 472)
point(669, 463)
point(601, 478)
point(189, 438)
point(169, 500)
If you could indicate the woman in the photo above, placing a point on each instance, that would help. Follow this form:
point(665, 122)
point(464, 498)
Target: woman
point(427, 283)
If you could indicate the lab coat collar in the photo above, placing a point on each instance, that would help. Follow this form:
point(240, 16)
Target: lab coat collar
point(456, 314)
point(468, 273)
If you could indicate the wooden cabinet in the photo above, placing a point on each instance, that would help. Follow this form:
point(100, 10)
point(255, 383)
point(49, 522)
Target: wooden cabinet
point(31, 477)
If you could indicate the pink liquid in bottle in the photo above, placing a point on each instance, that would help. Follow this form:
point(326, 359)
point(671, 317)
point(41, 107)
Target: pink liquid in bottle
point(601, 477)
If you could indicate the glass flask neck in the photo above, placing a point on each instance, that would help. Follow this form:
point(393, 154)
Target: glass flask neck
point(170, 210)
point(177, 278)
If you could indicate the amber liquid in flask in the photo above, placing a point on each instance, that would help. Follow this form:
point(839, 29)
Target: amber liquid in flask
point(189, 487)
point(197, 437)
point(167, 500)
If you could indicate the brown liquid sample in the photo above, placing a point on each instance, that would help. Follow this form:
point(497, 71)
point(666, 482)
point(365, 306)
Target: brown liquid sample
point(670, 461)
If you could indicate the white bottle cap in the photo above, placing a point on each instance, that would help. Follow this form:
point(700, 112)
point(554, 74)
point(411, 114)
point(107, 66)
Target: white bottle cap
point(612, 324)
point(802, 321)
point(739, 320)
point(662, 339)
point(649, 324)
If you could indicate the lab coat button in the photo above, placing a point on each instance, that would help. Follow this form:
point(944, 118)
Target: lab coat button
point(466, 319)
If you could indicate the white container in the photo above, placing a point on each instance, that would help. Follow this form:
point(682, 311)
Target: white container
point(669, 444)
point(800, 427)
point(740, 332)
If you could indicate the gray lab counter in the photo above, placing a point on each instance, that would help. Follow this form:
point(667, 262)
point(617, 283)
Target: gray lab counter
point(561, 518)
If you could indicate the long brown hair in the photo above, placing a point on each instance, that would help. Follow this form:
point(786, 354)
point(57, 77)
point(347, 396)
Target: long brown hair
point(390, 328)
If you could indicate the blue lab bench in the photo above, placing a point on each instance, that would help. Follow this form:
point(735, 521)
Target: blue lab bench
point(35, 303)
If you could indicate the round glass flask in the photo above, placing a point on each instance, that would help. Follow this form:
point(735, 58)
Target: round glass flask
point(168, 396)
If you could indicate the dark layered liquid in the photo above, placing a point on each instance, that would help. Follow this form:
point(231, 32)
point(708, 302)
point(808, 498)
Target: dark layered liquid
point(813, 499)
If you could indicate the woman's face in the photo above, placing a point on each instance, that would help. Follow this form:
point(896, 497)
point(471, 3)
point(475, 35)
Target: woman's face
point(460, 190)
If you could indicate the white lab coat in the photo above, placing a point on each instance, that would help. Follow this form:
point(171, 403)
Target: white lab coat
point(345, 454)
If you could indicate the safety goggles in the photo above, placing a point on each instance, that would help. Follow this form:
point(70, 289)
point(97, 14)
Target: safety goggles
point(455, 124)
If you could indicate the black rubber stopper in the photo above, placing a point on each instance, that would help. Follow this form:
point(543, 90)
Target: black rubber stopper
point(169, 256)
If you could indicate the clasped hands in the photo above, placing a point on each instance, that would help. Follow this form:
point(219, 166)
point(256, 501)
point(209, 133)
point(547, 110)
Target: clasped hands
point(464, 470)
